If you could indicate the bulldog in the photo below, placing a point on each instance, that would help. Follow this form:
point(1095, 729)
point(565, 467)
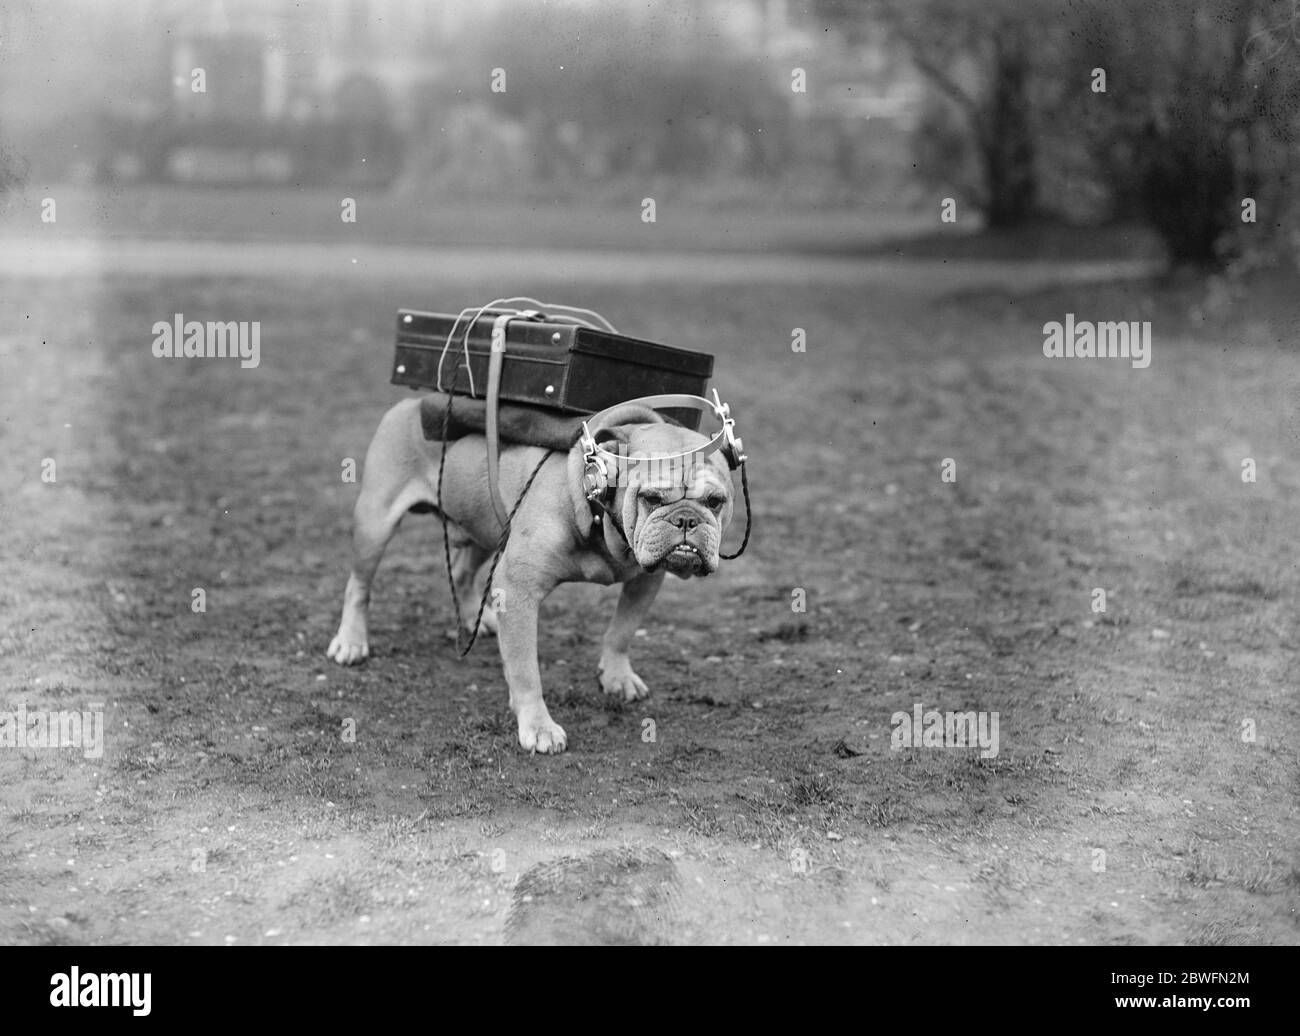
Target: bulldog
point(643, 527)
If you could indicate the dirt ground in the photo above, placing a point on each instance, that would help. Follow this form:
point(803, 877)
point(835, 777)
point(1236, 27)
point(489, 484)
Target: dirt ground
point(1126, 804)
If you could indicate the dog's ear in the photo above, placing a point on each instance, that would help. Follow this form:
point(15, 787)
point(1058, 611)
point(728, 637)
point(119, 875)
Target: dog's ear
point(618, 433)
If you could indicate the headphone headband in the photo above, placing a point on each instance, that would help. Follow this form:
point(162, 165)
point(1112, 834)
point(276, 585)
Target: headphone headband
point(724, 439)
point(602, 468)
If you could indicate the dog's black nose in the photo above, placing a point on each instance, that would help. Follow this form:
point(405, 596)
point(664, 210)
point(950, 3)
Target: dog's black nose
point(685, 520)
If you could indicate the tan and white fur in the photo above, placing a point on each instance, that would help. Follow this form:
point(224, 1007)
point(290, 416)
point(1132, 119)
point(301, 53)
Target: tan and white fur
point(668, 529)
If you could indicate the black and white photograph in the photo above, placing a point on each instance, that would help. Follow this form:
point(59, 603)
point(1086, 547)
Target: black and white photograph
point(718, 473)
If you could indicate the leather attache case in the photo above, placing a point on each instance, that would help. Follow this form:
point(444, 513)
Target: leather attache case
point(549, 363)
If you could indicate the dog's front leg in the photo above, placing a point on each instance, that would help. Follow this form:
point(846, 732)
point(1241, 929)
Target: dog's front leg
point(517, 635)
point(616, 675)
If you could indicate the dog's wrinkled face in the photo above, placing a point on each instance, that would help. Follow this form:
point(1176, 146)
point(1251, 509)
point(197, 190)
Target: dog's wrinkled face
point(673, 513)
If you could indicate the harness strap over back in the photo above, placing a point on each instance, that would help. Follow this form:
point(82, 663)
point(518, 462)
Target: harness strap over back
point(496, 360)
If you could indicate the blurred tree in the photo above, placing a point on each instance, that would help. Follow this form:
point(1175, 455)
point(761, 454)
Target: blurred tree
point(987, 62)
point(1200, 112)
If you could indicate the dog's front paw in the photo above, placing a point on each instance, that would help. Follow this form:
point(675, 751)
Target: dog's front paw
point(542, 734)
point(348, 650)
point(618, 679)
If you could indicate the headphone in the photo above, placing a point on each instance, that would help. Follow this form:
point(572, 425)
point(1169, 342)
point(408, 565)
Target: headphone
point(601, 467)
point(595, 478)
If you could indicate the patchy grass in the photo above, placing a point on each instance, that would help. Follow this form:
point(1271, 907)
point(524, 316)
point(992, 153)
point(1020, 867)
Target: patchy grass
point(1121, 732)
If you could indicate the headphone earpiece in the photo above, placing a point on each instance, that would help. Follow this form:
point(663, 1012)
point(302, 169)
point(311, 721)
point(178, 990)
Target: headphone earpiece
point(595, 479)
point(595, 473)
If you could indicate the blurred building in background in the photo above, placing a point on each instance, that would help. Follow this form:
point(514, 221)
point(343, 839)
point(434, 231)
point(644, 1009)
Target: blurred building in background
point(222, 91)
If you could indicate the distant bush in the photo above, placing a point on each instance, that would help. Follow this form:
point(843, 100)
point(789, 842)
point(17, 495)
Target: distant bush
point(1201, 111)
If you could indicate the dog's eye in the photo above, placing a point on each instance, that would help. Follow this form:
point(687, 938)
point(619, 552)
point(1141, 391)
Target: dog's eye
point(652, 498)
point(714, 503)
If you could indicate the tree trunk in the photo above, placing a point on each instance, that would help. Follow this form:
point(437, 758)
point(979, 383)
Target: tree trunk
point(1006, 140)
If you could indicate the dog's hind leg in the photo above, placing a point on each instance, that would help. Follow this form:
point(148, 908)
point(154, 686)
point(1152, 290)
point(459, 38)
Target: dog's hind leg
point(373, 525)
point(390, 486)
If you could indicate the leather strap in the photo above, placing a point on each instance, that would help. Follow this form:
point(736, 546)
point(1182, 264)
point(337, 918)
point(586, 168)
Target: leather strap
point(496, 360)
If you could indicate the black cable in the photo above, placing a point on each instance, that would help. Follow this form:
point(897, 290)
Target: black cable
point(446, 540)
point(501, 548)
point(749, 515)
